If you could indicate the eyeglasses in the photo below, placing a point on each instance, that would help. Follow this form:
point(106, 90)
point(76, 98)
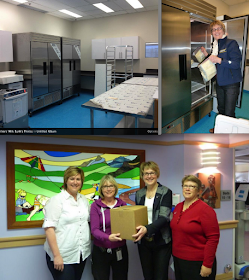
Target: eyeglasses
point(189, 187)
point(148, 174)
point(110, 187)
point(216, 29)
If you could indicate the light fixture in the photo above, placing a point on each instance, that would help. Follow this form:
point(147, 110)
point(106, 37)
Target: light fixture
point(135, 4)
point(210, 157)
point(20, 1)
point(70, 13)
point(103, 8)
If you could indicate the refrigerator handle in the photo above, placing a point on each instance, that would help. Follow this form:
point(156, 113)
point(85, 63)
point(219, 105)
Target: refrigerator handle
point(182, 67)
point(70, 65)
point(51, 67)
point(74, 65)
point(44, 68)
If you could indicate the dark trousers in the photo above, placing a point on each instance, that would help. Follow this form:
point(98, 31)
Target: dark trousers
point(227, 98)
point(70, 271)
point(102, 262)
point(154, 259)
point(186, 270)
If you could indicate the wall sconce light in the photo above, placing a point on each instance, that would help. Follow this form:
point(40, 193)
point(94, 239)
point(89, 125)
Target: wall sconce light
point(210, 158)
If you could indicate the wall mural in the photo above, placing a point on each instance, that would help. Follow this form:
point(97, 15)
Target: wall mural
point(36, 174)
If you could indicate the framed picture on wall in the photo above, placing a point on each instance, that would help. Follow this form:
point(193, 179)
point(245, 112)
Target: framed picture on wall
point(210, 189)
point(35, 174)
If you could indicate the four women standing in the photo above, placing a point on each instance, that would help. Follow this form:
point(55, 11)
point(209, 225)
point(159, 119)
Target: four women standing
point(194, 227)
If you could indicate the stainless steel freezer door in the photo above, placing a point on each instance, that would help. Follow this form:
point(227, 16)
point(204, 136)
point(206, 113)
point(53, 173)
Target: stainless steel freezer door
point(76, 64)
point(176, 48)
point(237, 29)
point(67, 55)
point(54, 77)
point(39, 61)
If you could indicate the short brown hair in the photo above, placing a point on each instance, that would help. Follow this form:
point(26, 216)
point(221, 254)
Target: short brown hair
point(107, 178)
point(218, 22)
point(149, 165)
point(192, 178)
point(72, 171)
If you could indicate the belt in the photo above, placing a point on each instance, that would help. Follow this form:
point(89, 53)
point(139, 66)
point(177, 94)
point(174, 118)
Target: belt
point(108, 250)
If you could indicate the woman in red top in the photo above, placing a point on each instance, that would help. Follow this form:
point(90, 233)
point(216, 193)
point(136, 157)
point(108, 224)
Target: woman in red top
point(195, 235)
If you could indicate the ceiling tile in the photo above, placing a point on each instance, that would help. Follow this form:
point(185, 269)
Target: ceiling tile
point(73, 3)
point(113, 6)
point(52, 4)
point(147, 3)
point(123, 4)
point(96, 12)
point(87, 8)
point(141, 10)
point(38, 6)
point(96, 1)
point(61, 15)
point(84, 18)
point(150, 8)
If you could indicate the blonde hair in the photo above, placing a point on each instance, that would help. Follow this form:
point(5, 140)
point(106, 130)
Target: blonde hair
point(218, 22)
point(149, 165)
point(110, 179)
point(21, 192)
point(72, 171)
point(192, 178)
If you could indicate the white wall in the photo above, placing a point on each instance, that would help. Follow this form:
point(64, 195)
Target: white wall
point(143, 24)
point(17, 19)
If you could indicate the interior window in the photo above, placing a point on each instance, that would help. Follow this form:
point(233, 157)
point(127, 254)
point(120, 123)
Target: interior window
point(151, 50)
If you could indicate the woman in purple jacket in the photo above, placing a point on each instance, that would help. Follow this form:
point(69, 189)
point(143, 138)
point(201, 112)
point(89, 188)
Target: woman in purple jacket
point(109, 250)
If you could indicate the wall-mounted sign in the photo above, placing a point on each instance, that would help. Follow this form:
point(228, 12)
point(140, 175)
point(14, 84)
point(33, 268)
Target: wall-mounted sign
point(225, 195)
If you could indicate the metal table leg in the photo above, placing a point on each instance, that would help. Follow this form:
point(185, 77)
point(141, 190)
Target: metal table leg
point(136, 122)
point(92, 118)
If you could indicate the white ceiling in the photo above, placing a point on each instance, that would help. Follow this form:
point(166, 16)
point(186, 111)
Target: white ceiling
point(85, 7)
point(234, 2)
point(242, 154)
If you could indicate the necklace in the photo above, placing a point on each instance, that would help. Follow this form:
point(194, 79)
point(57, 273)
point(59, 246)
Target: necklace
point(151, 194)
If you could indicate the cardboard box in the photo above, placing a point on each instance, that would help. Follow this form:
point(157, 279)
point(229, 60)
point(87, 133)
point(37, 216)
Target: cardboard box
point(125, 219)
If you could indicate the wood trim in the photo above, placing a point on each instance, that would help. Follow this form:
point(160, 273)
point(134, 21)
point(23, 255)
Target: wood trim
point(228, 224)
point(10, 157)
point(20, 241)
point(224, 276)
point(239, 144)
point(137, 141)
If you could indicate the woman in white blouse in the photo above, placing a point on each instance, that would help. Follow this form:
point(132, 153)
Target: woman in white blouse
point(67, 230)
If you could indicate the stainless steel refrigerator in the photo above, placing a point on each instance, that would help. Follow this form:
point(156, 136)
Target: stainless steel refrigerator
point(38, 58)
point(71, 59)
point(185, 97)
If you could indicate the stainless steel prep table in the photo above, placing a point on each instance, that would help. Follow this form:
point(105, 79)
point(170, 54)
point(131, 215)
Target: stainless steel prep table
point(126, 99)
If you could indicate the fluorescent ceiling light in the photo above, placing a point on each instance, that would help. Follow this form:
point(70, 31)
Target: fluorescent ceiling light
point(70, 13)
point(135, 4)
point(20, 1)
point(103, 7)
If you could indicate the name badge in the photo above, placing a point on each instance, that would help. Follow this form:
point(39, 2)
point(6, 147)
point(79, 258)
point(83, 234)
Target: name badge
point(119, 254)
point(223, 51)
